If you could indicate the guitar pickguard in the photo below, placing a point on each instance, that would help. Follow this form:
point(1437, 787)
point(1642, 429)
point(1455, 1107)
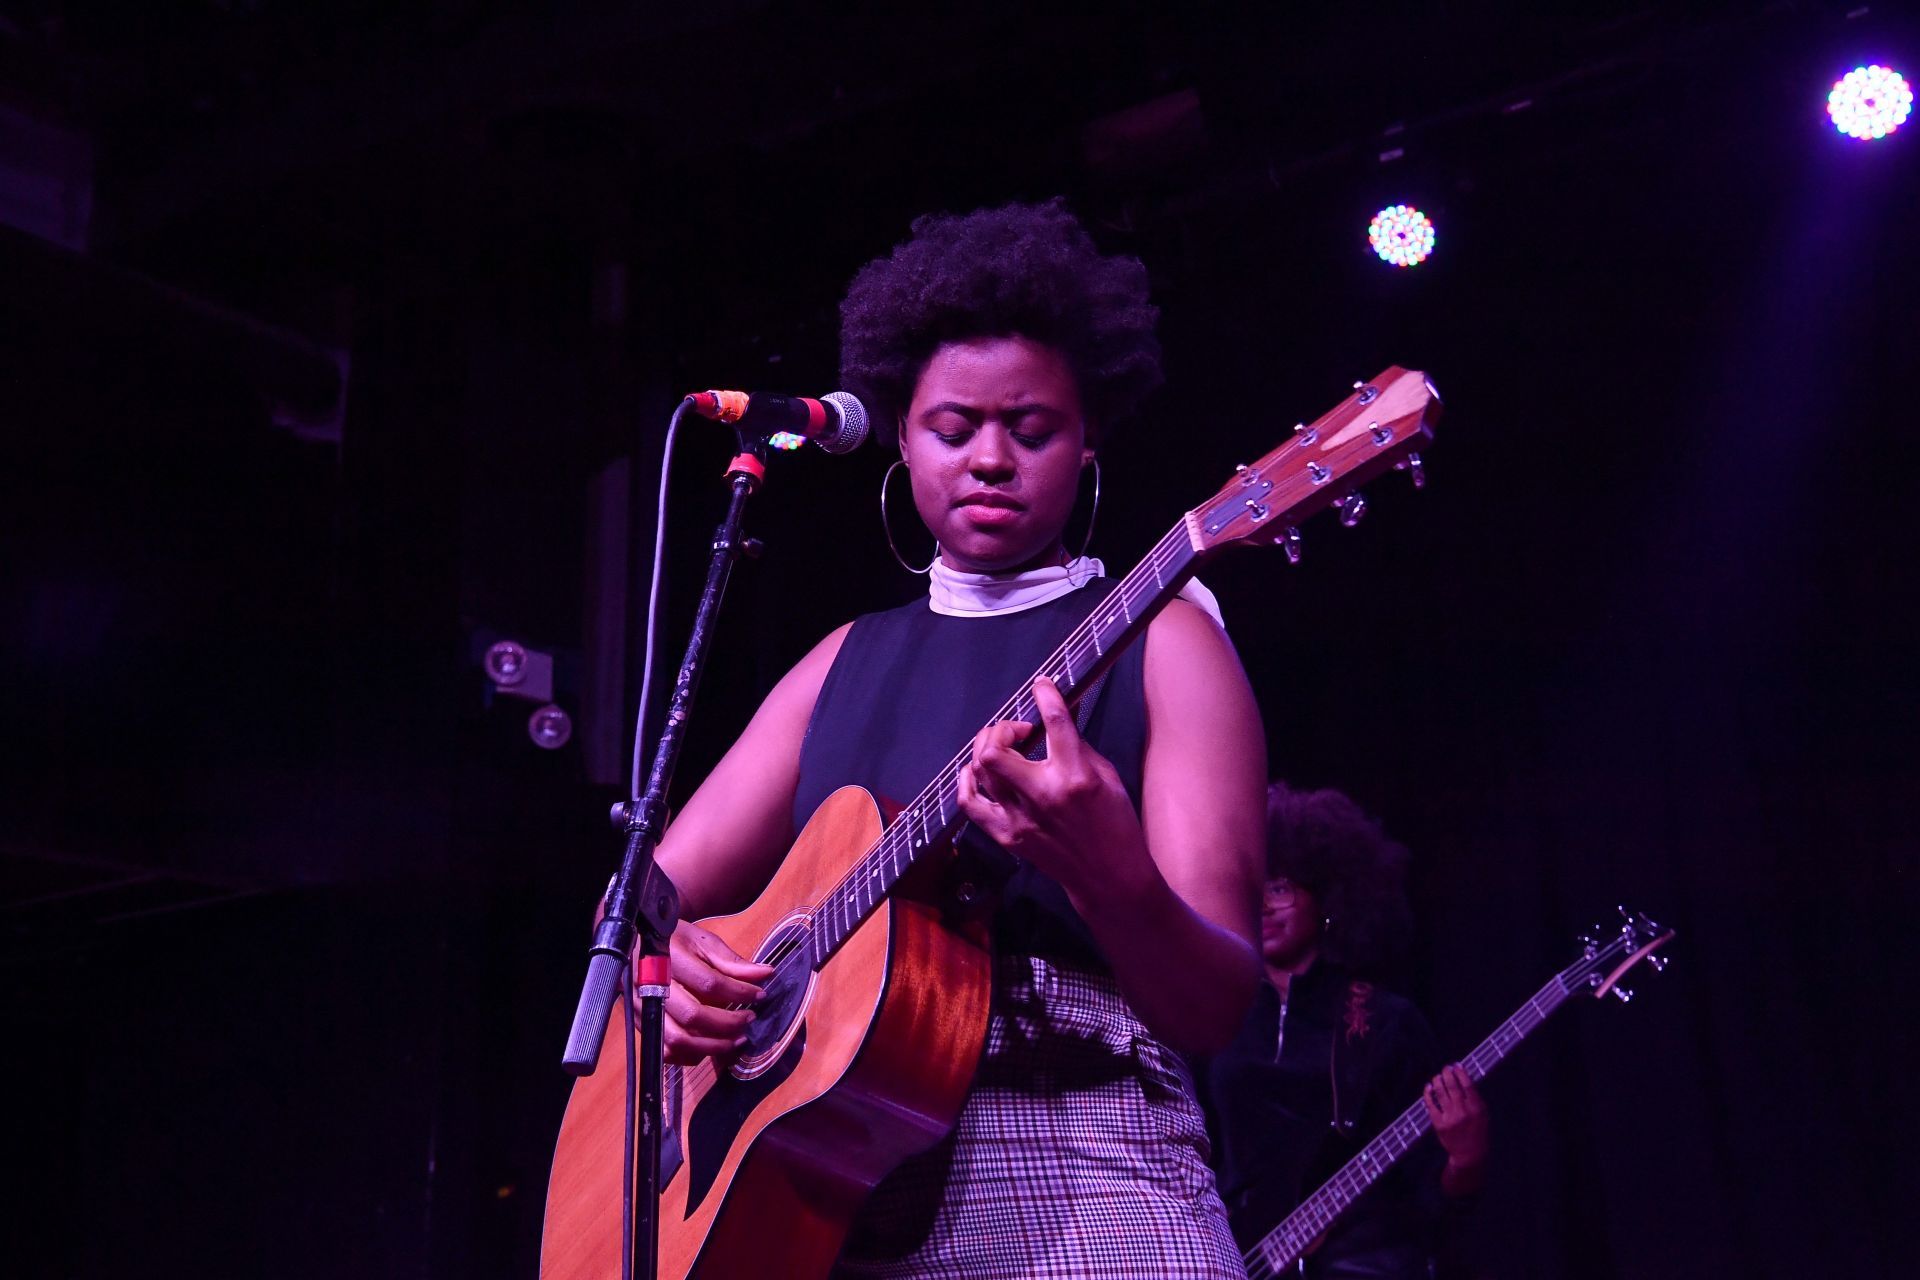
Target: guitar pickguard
point(717, 1120)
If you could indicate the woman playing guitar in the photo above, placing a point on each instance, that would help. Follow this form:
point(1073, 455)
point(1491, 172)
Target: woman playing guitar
point(998, 350)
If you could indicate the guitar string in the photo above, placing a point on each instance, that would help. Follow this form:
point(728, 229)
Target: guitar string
point(1297, 1231)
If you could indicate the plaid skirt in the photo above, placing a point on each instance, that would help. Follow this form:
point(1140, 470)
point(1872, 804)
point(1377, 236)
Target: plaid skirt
point(1079, 1152)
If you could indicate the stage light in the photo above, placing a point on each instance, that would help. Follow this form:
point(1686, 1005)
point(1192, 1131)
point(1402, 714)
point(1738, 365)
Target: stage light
point(1870, 102)
point(550, 727)
point(1401, 235)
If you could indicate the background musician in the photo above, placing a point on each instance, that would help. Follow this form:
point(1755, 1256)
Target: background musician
point(1326, 1059)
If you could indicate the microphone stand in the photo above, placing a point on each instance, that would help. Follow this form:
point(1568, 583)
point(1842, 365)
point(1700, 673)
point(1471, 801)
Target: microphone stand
point(643, 906)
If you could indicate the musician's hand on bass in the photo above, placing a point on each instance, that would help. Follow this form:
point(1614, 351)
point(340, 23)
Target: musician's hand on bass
point(1460, 1122)
point(709, 980)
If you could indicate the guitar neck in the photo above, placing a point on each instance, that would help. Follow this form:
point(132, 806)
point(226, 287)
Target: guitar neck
point(934, 815)
point(1306, 1224)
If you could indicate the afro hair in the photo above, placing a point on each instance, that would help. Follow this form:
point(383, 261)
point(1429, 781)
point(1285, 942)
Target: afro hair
point(1025, 270)
point(1328, 845)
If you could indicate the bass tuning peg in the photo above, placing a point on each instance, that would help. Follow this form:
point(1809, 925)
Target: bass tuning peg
point(1623, 994)
point(1352, 508)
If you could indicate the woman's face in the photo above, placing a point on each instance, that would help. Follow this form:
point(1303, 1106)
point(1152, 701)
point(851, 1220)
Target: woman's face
point(1289, 923)
point(995, 440)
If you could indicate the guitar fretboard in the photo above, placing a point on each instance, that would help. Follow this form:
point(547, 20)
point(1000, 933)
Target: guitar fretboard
point(934, 815)
point(1295, 1235)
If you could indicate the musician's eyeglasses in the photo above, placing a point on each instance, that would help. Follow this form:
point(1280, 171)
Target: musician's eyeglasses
point(1280, 892)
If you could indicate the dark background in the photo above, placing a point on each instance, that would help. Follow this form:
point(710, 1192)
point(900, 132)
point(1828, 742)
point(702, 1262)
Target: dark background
point(338, 342)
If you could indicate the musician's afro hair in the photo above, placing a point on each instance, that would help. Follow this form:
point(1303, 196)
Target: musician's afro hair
point(1330, 846)
point(1025, 270)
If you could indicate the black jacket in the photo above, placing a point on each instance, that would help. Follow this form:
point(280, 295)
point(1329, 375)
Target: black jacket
point(1287, 1111)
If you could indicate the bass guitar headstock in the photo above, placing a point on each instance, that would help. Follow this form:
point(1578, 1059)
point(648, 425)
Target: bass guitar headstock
point(1608, 954)
point(1382, 425)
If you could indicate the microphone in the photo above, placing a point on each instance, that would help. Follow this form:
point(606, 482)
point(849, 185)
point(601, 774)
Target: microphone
point(837, 422)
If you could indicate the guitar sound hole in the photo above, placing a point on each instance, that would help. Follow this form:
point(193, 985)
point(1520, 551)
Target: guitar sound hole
point(778, 1014)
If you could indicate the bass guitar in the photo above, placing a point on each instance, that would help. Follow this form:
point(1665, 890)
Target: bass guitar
point(1597, 972)
point(863, 1047)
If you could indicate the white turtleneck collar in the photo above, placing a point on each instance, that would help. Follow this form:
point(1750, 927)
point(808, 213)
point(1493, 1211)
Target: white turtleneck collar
point(986, 595)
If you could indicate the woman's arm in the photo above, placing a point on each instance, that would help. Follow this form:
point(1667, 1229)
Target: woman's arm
point(724, 844)
point(1172, 893)
point(722, 848)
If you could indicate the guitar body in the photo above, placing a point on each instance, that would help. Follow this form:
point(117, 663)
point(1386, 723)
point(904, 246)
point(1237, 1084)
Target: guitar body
point(849, 1070)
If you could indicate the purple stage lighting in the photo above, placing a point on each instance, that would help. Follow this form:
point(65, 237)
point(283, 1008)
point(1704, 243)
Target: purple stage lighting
point(1870, 102)
point(1401, 235)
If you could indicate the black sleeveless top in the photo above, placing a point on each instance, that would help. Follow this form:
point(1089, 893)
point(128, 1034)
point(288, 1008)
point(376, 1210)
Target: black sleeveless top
point(910, 687)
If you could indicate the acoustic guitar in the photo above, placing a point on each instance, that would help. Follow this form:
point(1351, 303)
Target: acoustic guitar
point(1598, 971)
point(864, 1045)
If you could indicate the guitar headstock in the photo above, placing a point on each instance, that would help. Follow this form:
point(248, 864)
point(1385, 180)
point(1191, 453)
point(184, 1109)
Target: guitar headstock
point(1384, 423)
point(1610, 952)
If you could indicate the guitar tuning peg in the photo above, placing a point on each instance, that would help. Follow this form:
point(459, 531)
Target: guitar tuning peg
point(1290, 543)
point(1352, 508)
point(1623, 994)
point(1659, 963)
point(1412, 465)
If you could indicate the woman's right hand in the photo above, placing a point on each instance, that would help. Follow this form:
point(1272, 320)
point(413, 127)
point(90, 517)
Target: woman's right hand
point(709, 979)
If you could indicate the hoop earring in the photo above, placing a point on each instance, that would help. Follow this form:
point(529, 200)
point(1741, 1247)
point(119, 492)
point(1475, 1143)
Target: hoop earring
point(886, 526)
point(1094, 514)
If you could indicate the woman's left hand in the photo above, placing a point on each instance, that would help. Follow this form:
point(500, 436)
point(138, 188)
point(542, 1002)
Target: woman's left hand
point(1459, 1119)
point(1067, 814)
